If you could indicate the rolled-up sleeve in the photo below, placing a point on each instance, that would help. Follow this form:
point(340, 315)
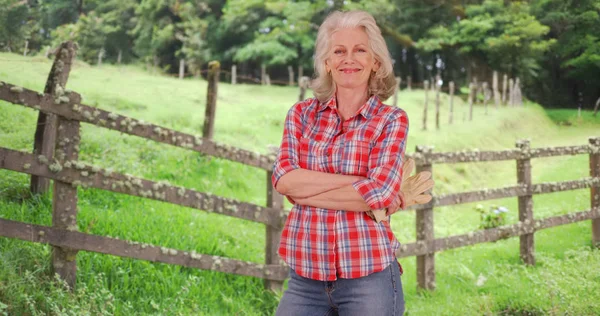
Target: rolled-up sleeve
point(287, 157)
point(384, 177)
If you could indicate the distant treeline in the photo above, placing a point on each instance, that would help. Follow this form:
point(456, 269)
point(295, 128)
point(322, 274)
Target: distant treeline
point(553, 46)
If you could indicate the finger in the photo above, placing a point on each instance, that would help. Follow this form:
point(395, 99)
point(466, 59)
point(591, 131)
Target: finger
point(424, 175)
point(407, 168)
point(420, 187)
point(423, 198)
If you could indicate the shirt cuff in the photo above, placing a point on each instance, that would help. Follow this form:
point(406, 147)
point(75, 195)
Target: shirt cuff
point(280, 169)
point(371, 193)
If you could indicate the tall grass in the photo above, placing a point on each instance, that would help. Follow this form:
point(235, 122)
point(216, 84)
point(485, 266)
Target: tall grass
point(481, 279)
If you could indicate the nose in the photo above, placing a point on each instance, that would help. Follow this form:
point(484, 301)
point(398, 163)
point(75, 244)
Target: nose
point(349, 58)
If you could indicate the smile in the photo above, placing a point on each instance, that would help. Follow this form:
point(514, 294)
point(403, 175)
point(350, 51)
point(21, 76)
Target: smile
point(350, 70)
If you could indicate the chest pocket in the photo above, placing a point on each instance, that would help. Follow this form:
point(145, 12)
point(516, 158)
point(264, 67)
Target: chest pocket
point(313, 155)
point(355, 157)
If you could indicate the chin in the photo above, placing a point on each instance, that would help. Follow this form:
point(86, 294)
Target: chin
point(351, 84)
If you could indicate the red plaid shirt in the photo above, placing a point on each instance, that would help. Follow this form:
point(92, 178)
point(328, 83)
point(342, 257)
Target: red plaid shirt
point(324, 244)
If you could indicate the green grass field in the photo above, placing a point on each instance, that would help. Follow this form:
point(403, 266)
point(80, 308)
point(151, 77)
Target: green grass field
point(485, 279)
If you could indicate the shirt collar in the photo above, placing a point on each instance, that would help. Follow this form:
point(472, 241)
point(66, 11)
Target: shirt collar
point(367, 110)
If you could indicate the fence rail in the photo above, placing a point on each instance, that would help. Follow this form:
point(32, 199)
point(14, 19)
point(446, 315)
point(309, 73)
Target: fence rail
point(69, 173)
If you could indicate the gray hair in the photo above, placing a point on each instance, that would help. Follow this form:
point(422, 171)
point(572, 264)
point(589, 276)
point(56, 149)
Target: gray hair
point(382, 83)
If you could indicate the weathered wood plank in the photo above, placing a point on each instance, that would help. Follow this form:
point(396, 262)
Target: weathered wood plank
point(595, 190)
point(136, 250)
point(64, 200)
point(211, 99)
point(490, 235)
point(80, 174)
point(79, 112)
point(45, 131)
point(506, 192)
point(527, 242)
point(273, 235)
point(425, 232)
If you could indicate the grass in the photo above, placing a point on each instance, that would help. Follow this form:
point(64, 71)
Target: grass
point(481, 279)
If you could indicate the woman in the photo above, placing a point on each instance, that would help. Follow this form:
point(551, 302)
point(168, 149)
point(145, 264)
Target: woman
point(341, 156)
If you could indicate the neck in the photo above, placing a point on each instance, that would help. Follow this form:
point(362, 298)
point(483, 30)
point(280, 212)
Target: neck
point(350, 100)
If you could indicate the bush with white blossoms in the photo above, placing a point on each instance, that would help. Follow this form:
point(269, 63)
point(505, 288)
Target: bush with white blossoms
point(493, 217)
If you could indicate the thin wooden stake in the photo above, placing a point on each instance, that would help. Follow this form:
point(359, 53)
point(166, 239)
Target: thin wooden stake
point(291, 75)
point(471, 101)
point(181, 68)
point(504, 87)
point(395, 101)
point(263, 75)
point(409, 83)
point(451, 115)
point(214, 68)
point(233, 74)
point(437, 105)
point(426, 88)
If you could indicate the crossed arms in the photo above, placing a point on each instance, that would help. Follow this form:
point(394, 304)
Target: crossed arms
point(378, 190)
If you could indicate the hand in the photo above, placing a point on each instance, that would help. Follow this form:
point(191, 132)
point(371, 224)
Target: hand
point(412, 190)
point(415, 189)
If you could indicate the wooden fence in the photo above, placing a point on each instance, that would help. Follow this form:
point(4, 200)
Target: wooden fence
point(69, 173)
point(426, 245)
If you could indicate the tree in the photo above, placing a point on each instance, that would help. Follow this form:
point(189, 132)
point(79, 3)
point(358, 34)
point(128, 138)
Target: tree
point(494, 35)
point(15, 28)
point(573, 64)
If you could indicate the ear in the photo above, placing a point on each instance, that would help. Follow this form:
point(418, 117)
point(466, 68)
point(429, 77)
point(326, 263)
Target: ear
point(376, 65)
point(327, 68)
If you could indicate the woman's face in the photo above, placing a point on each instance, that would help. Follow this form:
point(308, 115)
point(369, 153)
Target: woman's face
point(350, 58)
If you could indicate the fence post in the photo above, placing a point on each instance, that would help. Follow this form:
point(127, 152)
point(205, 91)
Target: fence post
point(595, 191)
point(486, 96)
point(504, 87)
point(64, 199)
point(25, 49)
point(233, 74)
point(181, 68)
point(300, 74)
point(45, 131)
point(263, 74)
point(451, 111)
point(495, 90)
point(303, 84)
point(395, 102)
point(291, 75)
point(214, 68)
point(424, 226)
point(426, 88)
point(511, 92)
point(437, 104)
point(471, 101)
point(525, 202)
point(273, 235)
point(409, 83)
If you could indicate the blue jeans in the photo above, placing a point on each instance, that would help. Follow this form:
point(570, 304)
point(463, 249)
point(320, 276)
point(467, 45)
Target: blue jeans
point(373, 295)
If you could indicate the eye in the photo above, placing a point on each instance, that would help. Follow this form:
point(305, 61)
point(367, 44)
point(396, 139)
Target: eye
point(362, 50)
point(338, 51)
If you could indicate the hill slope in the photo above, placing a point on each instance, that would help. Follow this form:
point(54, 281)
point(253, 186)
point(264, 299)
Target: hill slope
point(476, 280)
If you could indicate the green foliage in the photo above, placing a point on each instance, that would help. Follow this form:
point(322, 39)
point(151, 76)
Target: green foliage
point(493, 217)
point(15, 27)
point(506, 37)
